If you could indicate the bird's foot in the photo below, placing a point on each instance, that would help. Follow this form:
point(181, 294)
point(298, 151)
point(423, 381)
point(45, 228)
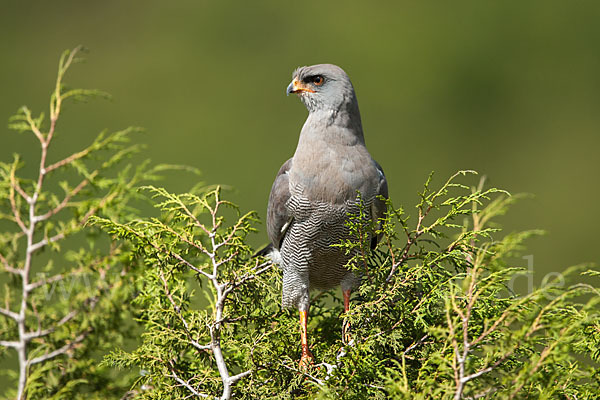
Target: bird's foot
point(346, 336)
point(306, 359)
point(341, 353)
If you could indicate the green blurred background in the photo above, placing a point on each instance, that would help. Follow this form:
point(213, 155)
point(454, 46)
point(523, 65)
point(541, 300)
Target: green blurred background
point(508, 88)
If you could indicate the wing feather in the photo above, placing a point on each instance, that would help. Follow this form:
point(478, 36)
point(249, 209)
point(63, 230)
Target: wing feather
point(379, 207)
point(278, 215)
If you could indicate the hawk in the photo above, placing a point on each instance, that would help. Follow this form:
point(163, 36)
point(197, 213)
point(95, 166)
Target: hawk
point(316, 189)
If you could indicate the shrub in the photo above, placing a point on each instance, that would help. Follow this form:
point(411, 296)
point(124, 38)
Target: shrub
point(64, 284)
point(432, 318)
point(434, 315)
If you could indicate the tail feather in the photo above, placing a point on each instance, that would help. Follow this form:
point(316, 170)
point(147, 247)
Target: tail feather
point(264, 252)
point(271, 252)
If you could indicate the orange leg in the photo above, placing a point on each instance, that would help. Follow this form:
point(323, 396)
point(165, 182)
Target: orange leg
point(346, 294)
point(307, 358)
point(346, 325)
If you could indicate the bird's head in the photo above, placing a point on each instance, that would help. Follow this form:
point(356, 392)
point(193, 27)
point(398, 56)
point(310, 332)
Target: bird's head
point(323, 87)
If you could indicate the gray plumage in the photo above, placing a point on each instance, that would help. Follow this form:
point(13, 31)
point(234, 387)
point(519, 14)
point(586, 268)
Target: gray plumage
point(316, 189)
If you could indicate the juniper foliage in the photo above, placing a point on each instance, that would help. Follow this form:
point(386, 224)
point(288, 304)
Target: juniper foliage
point(64, 284)
point(432, 318)
point(434, 315)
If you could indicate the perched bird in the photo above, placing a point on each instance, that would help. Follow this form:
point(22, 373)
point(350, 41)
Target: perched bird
point(316, 189)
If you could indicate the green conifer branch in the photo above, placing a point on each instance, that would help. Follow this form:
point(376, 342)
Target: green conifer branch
point(40, 323)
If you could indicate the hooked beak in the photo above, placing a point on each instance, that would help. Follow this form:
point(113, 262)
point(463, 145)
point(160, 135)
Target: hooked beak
point(297, 87)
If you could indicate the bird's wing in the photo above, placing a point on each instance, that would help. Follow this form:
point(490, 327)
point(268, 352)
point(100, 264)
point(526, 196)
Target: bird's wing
point(379, 206)
point(278, 215)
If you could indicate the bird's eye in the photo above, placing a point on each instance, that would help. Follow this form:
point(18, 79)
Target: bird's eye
point(318, 80)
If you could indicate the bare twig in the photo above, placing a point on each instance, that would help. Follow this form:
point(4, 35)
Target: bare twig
point(17, 187)
point(415, 344)
point(46, 241)
point(42, 282)
point(187, 386)
point(177, 309)
point(68, 160)
point(543, 355)
point(65, 200)
point(61, 350)
point(10, 314)
point(45, 332)
point(211, 273)
point(13, 203)
point(412, 239)
point(314, 378)
point(29, 225)
point(475, 259)
point(8, 267)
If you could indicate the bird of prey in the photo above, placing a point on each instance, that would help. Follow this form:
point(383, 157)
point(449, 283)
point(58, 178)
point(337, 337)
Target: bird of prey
point(316, 189)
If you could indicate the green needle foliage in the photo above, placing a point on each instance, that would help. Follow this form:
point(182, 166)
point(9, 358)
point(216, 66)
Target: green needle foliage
point(64, 284)
point(432, 318)
point(435, 315)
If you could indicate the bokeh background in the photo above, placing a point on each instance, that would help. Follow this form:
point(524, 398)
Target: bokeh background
point(508, 88)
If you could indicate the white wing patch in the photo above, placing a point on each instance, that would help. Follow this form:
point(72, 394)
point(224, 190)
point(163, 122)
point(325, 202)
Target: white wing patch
point(287, 225)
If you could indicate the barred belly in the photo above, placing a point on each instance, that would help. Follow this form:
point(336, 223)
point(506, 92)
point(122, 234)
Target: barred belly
point(309, 259)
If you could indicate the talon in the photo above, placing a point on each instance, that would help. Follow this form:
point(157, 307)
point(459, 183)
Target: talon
point(346, 337)
point(306, 360)
point(340, 353)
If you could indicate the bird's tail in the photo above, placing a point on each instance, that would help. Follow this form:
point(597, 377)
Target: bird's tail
point(271, 252)
point(264, 252)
